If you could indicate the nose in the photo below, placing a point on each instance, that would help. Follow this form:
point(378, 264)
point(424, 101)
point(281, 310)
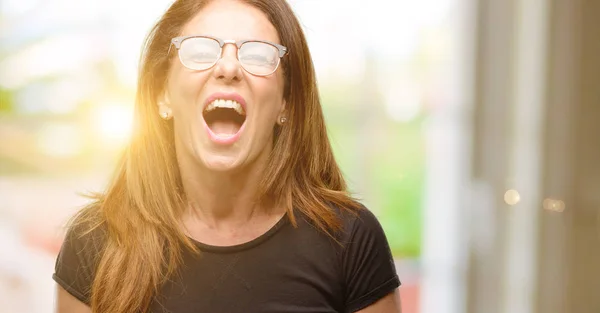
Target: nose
point(228, 67)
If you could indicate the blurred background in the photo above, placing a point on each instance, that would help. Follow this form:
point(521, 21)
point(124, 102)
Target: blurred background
point(470, 128)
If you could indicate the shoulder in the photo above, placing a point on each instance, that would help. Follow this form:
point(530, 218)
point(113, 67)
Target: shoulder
point(363, 217)
point(357, 222)
point(78, 258)
point(367, 262)
point(86, 232)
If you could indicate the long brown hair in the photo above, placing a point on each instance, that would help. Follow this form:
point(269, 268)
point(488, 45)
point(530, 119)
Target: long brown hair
point(140, 209)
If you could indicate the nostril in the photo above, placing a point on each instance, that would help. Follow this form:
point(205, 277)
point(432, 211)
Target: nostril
point(228, 67)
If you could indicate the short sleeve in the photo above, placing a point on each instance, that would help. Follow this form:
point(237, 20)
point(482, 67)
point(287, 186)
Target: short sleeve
point(368, 266)
point(77, 261)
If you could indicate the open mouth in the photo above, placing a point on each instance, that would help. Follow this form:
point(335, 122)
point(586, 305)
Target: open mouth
point(224, 118)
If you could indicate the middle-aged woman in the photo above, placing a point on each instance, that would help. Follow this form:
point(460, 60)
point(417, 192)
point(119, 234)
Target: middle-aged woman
point(228, 198)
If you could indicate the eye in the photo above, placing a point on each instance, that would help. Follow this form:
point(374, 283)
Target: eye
point(202, 56)
point(199, 50)
point(254, 58)
point(259, 58)
point(258, 53)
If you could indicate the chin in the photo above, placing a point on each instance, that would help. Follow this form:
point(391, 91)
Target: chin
point(221, 163)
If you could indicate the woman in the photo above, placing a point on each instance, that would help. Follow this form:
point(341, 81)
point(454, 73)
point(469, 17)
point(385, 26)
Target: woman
point(228, 198)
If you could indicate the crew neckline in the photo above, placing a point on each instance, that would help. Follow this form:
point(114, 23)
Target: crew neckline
point(246, 245)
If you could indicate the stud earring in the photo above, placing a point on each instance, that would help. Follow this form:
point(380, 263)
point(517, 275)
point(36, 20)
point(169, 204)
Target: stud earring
point(282, 120)
point(164, 111)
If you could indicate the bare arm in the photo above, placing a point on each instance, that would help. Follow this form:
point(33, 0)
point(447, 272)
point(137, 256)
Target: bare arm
point(387, 304)
point(66, 303)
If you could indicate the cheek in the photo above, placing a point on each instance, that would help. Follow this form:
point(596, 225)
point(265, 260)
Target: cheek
point(272, 96)
point(184, 88)
point(272, 103)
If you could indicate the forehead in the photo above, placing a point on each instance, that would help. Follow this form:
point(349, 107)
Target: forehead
point(230, 19)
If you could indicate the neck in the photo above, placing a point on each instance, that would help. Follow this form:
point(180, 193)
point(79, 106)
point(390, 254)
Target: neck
point(223, 199)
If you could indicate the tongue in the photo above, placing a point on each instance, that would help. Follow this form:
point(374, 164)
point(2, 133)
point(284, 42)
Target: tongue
point(224, 127)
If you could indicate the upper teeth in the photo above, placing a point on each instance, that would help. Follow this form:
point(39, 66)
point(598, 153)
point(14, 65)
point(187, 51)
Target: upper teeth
point(229, 104)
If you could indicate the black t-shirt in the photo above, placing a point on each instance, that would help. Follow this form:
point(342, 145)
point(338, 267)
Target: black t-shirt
point(285, 270)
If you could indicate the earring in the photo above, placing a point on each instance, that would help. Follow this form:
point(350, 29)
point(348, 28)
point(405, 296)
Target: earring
point(282, 120)
point(164, 111)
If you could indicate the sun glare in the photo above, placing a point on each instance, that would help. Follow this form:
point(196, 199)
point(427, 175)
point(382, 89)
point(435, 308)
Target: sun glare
point(113, 123)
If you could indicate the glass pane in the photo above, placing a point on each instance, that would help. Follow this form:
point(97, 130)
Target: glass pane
point(259, 57)
point(199, 52)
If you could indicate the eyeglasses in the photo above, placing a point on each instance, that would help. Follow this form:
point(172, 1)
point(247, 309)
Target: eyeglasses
point(257, 57)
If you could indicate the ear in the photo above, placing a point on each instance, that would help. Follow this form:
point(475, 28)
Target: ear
point(164, 98)
point(282, 117)
point(164, 108)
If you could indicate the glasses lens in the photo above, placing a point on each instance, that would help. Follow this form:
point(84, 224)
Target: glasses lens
point(199, 53)
point(259, 58)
